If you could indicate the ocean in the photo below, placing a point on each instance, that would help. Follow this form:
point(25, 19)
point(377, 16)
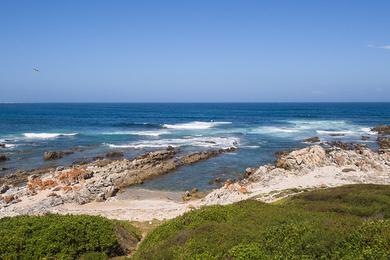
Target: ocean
point(258, 130)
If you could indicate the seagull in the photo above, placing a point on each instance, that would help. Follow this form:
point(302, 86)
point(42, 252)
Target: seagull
point(36, 70)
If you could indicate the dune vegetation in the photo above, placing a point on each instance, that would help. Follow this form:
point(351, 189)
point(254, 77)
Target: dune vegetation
point(350, 222)
point(65, 237)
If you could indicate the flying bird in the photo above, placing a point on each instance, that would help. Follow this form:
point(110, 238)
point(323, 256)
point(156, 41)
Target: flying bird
point(36, 70)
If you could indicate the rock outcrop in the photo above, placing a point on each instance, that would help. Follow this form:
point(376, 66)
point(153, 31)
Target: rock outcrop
point(311, 167)
point(96, 181)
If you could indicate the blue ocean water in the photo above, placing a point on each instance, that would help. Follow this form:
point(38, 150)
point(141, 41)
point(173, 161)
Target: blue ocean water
point(257, 129)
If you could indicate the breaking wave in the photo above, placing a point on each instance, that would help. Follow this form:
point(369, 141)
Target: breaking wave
point(195, 125)
point(216, 142)
point(46, 135)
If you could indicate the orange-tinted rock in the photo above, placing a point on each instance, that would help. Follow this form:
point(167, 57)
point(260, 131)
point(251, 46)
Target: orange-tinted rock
point(8, 199)
point(72, 175)
point(67, 188)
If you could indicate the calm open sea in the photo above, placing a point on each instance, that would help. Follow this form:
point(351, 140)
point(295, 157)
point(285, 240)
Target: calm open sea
point(257, 129)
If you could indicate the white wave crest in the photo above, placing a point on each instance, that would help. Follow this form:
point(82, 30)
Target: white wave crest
point(272, 130)
point(46, 135)
point(141, 133)
point(298, 129)
point(195, 125)
point(216, 142)
point(346, 132)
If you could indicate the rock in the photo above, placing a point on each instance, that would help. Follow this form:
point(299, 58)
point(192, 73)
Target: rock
point(280, 154)
point(8, 199)
point(2, 145)
point(114, 154)
point(309, 157)
point(52, 156)
point(193, 194)
point(249, 172)
point(110, 192)
point(342, 145)
point(384, 142)
point(32, 177)
point(60, 168)
point(348, 170)
point(382, 129)
point(315, 139)
point(200, 156)
point(365, 137)
point(3, 158)
point(337, 134)
point(4, 188)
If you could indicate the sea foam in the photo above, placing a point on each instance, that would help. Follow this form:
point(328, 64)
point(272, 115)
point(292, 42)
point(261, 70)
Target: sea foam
point(195, 125)
point(216, 142)
point(46, 135)
point(141, 133)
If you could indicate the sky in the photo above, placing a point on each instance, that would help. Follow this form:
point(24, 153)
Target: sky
point(194, 51)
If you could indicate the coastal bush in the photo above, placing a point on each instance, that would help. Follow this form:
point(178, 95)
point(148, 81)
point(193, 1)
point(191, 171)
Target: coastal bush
point(331, 224)
point(363, 200)
point(59, 236)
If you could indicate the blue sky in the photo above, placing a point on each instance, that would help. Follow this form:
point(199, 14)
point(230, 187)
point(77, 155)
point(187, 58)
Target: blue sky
point(194, 51)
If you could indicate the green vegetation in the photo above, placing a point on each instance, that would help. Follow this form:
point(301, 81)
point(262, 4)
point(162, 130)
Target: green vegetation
point(63, 237)
point(350, 222)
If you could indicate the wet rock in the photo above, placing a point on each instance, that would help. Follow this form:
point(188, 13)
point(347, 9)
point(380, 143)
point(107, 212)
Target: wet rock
point(382, 129)
point(2, 145)
point(114, 154)
point(54, 155)
point(342, 145)
point(315, 139)
point(3, 158)
point(365, 137)
point(280, 154)
point(200, 156)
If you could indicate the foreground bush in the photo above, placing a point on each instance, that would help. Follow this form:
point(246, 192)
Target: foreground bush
point(65, 237)
point(348, 222)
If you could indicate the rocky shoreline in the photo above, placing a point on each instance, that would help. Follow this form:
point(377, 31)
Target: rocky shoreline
point(96, 181)
point(91, 188)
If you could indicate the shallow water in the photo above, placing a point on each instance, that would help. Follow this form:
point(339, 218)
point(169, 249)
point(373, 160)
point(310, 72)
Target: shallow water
point(258, 130)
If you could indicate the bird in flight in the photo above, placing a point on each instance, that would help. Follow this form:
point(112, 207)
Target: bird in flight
point(35, 69)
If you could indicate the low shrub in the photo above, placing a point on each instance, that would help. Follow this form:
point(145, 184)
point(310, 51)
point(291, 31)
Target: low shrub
point(59, 236)
point(329, 224)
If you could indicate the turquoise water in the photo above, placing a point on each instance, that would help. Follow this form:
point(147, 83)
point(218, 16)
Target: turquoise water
point(257, 129)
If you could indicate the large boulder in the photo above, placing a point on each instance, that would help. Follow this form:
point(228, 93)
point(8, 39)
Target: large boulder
point(310, 157)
